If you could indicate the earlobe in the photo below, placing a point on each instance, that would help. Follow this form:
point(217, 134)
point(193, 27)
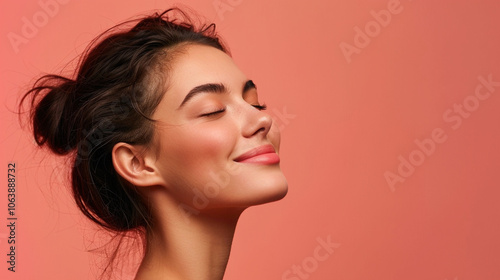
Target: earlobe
point(135, 165)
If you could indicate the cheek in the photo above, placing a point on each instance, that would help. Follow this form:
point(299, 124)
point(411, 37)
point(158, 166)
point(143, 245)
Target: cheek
point(195, 147)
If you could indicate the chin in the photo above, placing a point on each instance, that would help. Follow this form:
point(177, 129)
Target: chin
point(252, 190)
point(272, 189)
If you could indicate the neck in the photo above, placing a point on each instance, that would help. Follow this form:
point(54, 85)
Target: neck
point(187, 246)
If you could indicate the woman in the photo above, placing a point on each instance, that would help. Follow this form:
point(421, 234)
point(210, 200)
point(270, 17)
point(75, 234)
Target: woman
point(167, 138)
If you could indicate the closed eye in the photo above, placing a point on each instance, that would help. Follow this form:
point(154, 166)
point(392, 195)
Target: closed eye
point(218, 111)
point(260, 107)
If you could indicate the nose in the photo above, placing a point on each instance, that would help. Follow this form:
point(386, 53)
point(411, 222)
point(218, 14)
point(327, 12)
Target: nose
point(256, 122)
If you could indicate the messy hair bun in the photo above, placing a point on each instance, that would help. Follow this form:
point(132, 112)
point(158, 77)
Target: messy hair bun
point(117, 86)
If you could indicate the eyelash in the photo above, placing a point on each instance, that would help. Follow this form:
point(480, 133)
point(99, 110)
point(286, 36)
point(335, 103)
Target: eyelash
point(257, 106)
point(213, 113)
point(260, 107)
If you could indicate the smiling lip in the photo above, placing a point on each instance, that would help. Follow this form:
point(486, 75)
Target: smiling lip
point(261, 155)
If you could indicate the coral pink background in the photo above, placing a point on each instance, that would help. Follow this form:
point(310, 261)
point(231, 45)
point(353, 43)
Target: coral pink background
point(345, 126)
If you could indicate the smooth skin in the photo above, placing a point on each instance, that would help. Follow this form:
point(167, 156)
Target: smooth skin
point(189, 176)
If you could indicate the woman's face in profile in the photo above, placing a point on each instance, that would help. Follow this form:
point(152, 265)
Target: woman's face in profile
point(216, 147)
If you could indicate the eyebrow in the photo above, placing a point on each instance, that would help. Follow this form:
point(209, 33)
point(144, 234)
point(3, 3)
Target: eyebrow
point(214, 88)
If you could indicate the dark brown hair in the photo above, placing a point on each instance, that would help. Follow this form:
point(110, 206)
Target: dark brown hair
point(117, 85)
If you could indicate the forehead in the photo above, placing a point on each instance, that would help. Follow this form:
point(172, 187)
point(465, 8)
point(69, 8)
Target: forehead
point(198, 64)
point(195, 65)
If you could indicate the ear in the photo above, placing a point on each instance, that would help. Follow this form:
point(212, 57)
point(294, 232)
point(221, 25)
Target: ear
point(136, 165)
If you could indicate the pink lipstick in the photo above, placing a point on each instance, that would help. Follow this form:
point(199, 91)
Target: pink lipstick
point(261, 155)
